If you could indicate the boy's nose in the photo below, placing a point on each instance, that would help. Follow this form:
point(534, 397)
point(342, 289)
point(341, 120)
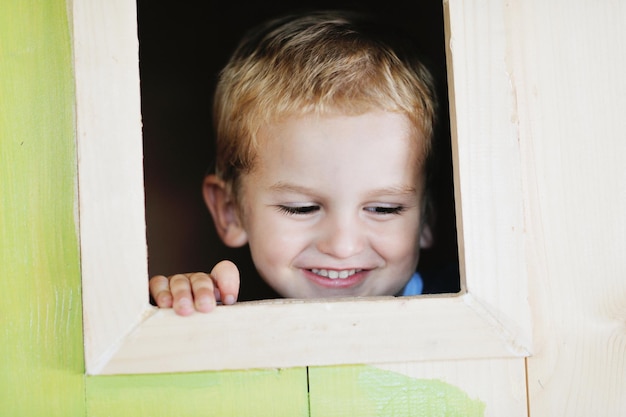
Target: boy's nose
point(341, 238)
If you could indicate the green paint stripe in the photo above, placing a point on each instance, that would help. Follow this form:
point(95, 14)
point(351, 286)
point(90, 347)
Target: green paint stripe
point(366, 391)
point(254, 393)
point(41, 338)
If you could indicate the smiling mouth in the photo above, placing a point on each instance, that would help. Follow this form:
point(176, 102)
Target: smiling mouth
point(335, 274)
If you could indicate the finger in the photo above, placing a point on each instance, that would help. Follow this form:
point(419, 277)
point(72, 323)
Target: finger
point(203, 291)
point(226, 277)
point(180, 287)
point(160, 291)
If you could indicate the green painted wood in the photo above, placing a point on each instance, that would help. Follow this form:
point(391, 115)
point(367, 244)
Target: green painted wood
point(40, 311)
point(366, 391)
point(254, 393)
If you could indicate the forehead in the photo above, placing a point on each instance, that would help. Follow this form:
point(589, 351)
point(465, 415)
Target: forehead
point(375, 126)
point(348, 146)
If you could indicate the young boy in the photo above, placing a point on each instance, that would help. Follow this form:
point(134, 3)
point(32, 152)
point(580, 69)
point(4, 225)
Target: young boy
point(324, 125)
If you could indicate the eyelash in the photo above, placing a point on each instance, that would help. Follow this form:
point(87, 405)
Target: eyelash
point(386, 210)
point(298, 210)
point(302, 210)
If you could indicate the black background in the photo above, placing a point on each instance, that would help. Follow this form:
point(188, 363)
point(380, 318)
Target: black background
point(183, 45)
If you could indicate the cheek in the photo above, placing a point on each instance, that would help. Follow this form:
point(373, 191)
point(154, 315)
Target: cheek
point(274, 254)
point(273, 239)
point(399, 250)
point(398, 243)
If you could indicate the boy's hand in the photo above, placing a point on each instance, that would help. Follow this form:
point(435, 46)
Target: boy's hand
point(196, 291)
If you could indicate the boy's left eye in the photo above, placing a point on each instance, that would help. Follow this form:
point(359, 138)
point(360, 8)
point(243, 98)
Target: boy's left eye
point(385, 209)
point(298, 209)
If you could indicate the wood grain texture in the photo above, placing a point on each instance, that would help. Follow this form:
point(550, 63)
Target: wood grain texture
point(571, 93)
point(111, 195)
point(487, 162)
point(258, 393)
point(41, 353)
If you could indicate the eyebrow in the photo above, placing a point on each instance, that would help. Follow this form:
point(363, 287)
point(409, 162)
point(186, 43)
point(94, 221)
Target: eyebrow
point(286, 187)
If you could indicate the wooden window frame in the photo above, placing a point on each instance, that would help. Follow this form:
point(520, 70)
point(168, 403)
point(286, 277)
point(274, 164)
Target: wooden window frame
point(124, 334)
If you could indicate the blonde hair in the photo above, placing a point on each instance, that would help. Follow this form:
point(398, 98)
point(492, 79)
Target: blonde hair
point(323, 62)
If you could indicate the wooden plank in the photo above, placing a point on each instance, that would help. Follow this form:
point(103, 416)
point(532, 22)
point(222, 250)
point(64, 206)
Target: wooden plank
point(41, 353)
point(111, 195)
point(350, 323)
point(500, 384)
point(569, 59)
point(259, 393)
point(455, 388)
point(487, 163)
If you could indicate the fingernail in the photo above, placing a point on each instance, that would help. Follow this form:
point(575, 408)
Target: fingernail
point(229, 299)
point(204, 302)
point(184, 302)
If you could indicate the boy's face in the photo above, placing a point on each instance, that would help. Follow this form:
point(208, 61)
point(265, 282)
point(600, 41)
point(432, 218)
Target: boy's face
point(333, 205)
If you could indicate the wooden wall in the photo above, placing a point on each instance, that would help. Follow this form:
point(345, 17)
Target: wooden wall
point(565, 61)
point(571, 94)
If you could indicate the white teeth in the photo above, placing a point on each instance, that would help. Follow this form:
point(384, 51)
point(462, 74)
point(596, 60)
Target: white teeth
point(334, 274)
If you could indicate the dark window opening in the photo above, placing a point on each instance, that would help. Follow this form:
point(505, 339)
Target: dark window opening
point(182, 48)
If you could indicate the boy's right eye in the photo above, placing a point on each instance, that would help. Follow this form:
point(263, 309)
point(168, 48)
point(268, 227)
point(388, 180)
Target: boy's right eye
point(298, 209)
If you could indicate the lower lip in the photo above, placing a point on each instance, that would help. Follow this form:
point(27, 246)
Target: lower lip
point(338, 283)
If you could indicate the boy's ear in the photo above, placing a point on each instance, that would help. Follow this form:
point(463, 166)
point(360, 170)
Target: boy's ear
point(224, 212)
point(428, 217)
point(426, 236)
